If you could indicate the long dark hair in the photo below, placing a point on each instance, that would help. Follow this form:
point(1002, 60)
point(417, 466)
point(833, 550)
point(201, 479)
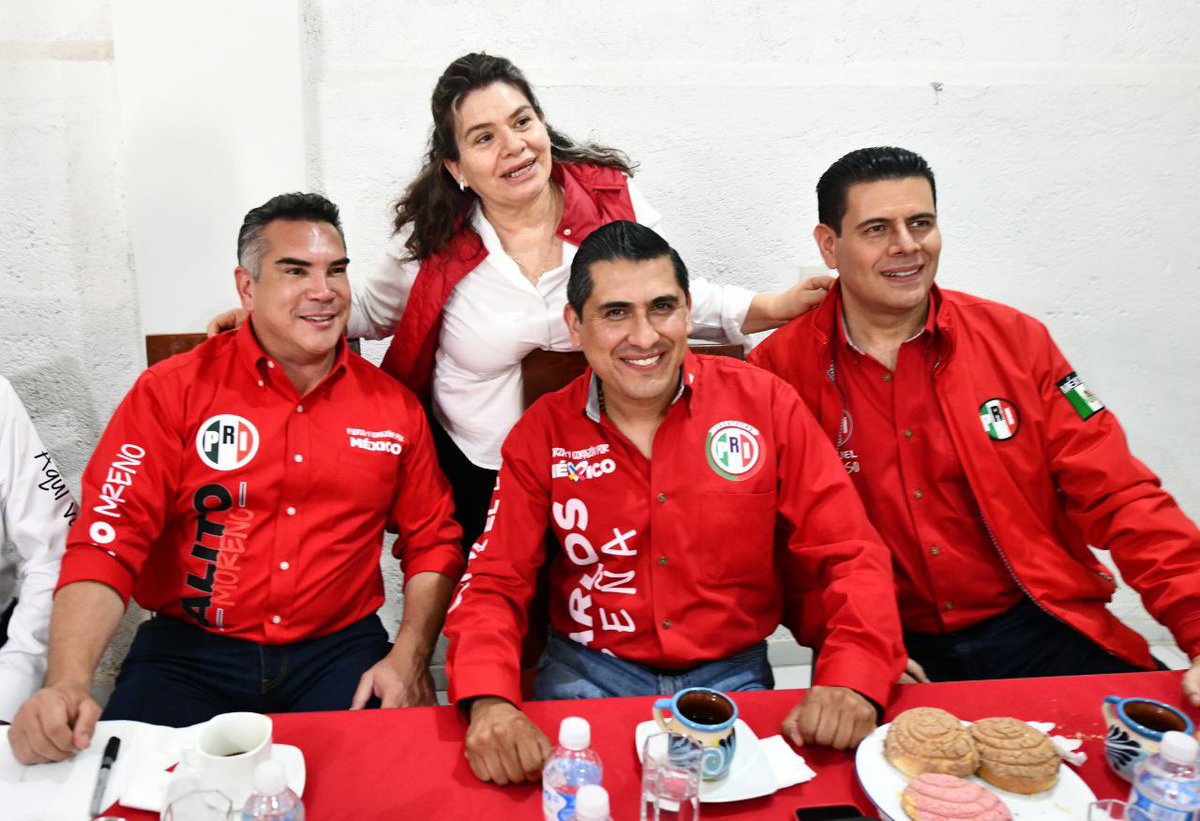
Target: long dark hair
point(433, 203)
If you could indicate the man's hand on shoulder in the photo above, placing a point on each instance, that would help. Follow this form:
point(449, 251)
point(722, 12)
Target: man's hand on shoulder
point(834, 717)
point(53, 725)
point(503, 745)
point(1191, 683)
point(397, 682)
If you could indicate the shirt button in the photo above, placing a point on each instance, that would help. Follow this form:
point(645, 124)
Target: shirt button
point(662, 560)
point(276, 619)
point(566, 232)
point(284, 565)
point(260, 383)
point(887, 377)
point(933, 551)
point(299, 409)
point(298, 458)
point(666, 624)
point(949, 605)
point(918, 494)
point(291, 511)
point(270, 364)
point(662, 497)
point(908, 433)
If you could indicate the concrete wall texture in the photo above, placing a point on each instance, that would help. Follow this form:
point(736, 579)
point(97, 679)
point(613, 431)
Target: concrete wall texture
point(1065, 137)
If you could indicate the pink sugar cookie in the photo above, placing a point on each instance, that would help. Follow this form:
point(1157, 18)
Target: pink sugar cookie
point(938, 797)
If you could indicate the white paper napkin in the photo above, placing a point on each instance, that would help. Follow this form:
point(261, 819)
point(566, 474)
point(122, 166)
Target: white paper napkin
point(787, 767)
point(1067, 747)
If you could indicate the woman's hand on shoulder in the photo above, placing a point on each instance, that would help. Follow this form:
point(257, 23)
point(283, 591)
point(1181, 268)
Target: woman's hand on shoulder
point(769, 311)
point(228, 321)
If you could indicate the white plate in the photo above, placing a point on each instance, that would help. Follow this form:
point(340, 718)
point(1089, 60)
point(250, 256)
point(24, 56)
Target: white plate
point(883, 784)
point(749, 775)
point(293, 765)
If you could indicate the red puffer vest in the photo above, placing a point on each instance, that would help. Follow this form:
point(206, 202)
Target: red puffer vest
point(592, 196)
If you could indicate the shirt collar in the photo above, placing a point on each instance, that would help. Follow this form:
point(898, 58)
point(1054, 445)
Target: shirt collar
point(262, 367)
point(930, 326)
point(689, 373)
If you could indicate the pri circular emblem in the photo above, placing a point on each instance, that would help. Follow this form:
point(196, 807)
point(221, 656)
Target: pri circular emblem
point(227, 442)
point(734, 450)
point(1000, 419)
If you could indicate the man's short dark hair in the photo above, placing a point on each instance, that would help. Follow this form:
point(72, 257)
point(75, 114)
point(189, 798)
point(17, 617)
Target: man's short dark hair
point(616, 241)
point(294, 207)
point(865, 165)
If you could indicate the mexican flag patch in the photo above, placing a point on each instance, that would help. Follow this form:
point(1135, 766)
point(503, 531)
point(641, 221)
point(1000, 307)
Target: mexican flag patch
point(1082, 400)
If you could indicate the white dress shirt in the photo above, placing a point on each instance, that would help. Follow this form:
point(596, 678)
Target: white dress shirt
point(496, 316)
point(36, 509)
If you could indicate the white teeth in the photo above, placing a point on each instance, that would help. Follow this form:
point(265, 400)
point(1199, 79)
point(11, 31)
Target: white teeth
point(520, 171)
point(645, 363)
point(899, 274)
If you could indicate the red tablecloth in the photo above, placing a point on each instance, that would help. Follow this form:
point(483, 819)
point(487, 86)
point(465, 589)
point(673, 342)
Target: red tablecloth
point(408, 764)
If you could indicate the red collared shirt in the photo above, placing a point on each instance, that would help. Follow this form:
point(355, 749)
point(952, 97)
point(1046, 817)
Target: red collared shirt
point(949, 575)
point(220, 497)
point(671, 562)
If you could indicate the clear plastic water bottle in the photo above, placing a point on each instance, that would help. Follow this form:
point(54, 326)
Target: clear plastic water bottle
point(1167, 786)
point(272, 799)
point(591, 803)
point(570, 766)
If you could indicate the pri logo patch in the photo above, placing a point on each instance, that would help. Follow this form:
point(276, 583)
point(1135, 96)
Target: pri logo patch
point(227, 442)
point(734, 450)
point(1000, 419)
point(1082, 400)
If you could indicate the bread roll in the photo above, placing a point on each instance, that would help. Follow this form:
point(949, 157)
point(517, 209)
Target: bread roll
point(939, 797)
point(1014, 756)
point(929, 740)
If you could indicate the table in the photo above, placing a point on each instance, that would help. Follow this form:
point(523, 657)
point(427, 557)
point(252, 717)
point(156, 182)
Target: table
point(409, 764)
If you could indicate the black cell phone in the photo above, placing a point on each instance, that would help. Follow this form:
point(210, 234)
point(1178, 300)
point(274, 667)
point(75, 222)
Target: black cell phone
point(841, 812)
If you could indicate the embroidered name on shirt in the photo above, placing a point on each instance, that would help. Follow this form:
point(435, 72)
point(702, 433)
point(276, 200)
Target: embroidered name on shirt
point(578, 471)
point(112, 493)
point(379, 441)
point(1082, 400)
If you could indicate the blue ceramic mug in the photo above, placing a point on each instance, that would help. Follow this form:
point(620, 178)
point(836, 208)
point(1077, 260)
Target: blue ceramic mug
point(1135, 730)
point(708, 717)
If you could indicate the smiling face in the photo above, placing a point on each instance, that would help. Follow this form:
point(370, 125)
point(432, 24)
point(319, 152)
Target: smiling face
point(633, 331)
point(503, 147)
point(887, 254)
point(300, 301)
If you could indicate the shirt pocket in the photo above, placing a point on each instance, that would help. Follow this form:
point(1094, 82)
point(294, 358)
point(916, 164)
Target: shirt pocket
point(736, 538)
point(364, 478)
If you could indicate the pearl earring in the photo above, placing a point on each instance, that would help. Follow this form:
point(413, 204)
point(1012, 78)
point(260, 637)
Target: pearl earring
point(462, 184)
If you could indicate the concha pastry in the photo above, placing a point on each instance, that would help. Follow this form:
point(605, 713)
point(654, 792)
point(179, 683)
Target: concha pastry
point(929, 740)
point(1014, 756)
point(939, 797)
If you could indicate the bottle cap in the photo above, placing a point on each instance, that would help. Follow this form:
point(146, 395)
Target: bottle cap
point(591, 803)
point(575, 733)
point(269, 778)
point(1179, 748)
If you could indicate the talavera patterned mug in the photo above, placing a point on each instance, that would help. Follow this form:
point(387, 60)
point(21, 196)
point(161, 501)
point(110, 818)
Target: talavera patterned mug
point(708, 717)
point(1135, 730)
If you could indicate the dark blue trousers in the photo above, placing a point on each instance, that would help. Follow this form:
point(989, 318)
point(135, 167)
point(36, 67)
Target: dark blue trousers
point(1024, 642)
point(178, 675)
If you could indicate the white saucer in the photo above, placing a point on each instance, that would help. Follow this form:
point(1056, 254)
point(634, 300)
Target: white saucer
point(750, 774)
point(290, 757)
point(883, 784)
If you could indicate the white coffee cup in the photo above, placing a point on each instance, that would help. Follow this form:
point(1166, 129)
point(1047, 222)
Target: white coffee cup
point(228, 750)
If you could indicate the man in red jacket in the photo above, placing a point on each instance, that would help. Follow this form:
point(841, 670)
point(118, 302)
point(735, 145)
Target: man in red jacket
point(240, 493)
point(664, 479)
point(980, 453)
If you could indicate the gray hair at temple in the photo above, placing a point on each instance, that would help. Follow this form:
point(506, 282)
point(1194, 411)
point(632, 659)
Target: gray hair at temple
point(609, 243)
point(294, 207)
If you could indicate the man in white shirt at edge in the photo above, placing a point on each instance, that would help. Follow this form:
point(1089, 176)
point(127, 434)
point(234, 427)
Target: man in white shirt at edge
point(36, 510)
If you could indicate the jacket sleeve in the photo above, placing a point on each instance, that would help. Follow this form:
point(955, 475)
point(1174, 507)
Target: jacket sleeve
point(128, 489)
point(840, 593)
point(423, 510)
point(488, 618)
point(37, 509)
point(1116, 502)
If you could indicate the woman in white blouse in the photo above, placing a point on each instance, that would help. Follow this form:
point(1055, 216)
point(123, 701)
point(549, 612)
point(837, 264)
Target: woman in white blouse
point(477, 274)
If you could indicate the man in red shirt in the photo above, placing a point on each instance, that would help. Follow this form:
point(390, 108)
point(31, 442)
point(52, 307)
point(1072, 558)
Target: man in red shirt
point(240, 493)
point(664, 479)
point(980, 454)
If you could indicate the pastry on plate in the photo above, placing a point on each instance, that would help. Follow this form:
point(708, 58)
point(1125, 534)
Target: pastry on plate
point(1014, 756)
point(940, 797)
point(929, 740)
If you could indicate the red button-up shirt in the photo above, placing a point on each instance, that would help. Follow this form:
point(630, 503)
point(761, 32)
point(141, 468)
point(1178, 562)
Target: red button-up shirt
point(220, 497)
point(949, 575)
point(671, 562)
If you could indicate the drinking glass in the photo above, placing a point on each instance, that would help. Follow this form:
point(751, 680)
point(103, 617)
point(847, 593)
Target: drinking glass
point(1115, 810)
point(200, 805)
point(671, 768)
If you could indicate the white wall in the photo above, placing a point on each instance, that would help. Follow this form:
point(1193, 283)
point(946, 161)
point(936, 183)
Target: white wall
point(1065, 136)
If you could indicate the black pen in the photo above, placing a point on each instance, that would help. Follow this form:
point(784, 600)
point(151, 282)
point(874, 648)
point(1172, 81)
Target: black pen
point(106, 764)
